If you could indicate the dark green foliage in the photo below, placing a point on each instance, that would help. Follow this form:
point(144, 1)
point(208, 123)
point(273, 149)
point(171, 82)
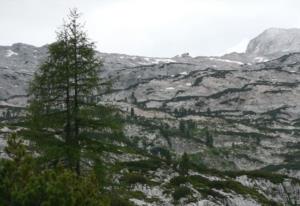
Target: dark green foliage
point(184, 164)
point(273, 177)
point(220, 74)
point(177, 181)
point(198, 80)
point(182, 126)
point(64, 116)
point(143, 165)
point(276, 112)
point(133, 98)
point(229, 91)
point(132, 112)
point(209, 141)
point(7, 115)
point(11, 113)
point(182, 111)
point(208, 111)
point(205, 186)
point(118, 201)
point(181, 192)
point(133, 178)
point(23, 182)
point(187, 128)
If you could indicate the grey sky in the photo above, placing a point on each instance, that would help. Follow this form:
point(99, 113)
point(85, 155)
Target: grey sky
point(150, 27)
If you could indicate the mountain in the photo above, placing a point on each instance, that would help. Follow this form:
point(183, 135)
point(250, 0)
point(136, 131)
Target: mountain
point(238, 120)
point(271, 44)
point(275, 40)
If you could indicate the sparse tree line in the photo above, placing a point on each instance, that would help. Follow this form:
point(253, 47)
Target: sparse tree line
point(10, 113)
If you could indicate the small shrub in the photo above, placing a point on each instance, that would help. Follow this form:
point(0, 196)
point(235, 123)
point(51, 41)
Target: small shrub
point(181, 192)
point(177, 181)
point(133, 178)
point(143, 165)
point(118, 201)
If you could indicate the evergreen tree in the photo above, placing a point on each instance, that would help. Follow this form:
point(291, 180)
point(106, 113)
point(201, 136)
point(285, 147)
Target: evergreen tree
point(63, 112)
point(208, 111)
point(209, 139)
point(184, 164)
point(182, 126)
point(8, 115)
point(133, 98)
point(132, 112)
point(176, 114)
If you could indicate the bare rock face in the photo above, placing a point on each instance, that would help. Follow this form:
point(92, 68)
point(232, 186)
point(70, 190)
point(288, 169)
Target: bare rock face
point(271, 44)
point(275, 40)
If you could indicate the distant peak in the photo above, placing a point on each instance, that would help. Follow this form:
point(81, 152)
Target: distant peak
point(22, 45)
point(275, 40)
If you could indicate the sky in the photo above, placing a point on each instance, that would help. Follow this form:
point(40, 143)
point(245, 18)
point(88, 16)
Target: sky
point(161, 28)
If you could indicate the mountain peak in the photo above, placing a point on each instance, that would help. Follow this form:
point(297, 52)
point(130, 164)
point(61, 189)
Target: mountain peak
point(275, 40)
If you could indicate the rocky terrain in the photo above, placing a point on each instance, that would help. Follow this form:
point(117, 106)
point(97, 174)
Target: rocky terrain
point(237, 113)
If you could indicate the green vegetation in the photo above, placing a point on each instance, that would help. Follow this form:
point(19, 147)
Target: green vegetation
point(65, 127)
point(178, 180)
point(273, 177)
point(209, 141)
point(134, 178)
point(207, 187)
point(142, 165)
point(118, 201)
point(229, 91)
point(63, 115)
point(184, 164)
point(24, 182)
point(181, 192)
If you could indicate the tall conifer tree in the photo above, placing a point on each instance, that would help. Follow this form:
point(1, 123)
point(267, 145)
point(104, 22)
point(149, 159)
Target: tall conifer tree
point(63, 112)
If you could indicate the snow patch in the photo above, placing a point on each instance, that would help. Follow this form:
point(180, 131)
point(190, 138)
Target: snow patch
point(183, 73)
point(158, 60)
point(10, 53)
point(188, 84)
point(165, 60)
point(170, 88)
point(260, 59)
point(225, 60)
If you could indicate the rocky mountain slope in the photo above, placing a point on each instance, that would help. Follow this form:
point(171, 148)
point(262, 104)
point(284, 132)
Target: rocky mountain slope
point(271, 44)
point(275, 40)
point(238, 112)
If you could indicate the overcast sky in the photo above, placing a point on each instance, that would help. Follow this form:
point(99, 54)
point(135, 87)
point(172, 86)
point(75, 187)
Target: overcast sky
point(150, 27)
